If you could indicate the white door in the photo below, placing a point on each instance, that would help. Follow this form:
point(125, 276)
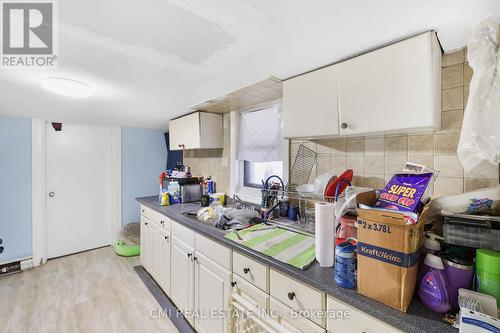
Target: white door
point(154, 244)
point(145, 242)
point(185, 132)
point(390, 89)
point(182, 276)
point(310, 104)
point(212, 290)
point(78, 188)
point(164, 261)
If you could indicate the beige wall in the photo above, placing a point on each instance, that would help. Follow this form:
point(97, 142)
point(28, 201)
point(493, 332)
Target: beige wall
point(375, 158)
point(212, 162)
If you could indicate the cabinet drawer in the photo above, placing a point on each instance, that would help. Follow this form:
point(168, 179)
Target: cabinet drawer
point(213, 250)
point(184, 234)
point(161, 220)
point(146, 212)
point(354, 321)
point(252, 271)
point(293, 322)
point(297, 295)
point(251, 293)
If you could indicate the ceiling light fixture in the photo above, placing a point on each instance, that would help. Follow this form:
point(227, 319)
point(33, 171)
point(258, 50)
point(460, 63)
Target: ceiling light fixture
point(67, 87)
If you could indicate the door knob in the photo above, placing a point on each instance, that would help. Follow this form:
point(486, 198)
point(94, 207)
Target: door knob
point(344, 125)
point(51, 194)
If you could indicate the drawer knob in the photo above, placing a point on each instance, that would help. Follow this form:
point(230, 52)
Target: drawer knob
point(145, 223)
point(189, 255)
point(246, 270)
point(233, 284)
point(195, 259)
point(291, 296)
point(166, 237)
point(162, 222)
point(344, 125)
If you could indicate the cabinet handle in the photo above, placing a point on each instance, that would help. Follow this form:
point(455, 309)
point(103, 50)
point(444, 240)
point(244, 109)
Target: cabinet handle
point(145, 223)
point(181, 146)
point(233, 284)
point(195, 259)
point(166, 237)
point(291, 296)
point(189, 255)
point(344, 125)
point(246, 270)
point(162, 222)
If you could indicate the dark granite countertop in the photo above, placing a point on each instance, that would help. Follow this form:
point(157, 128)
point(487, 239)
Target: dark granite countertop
point(418, 319)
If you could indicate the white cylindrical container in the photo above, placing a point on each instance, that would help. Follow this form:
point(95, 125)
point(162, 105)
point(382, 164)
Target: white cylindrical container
point(324, 233)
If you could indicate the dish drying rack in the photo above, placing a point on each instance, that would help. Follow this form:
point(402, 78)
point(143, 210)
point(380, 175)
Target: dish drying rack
point(304, 201)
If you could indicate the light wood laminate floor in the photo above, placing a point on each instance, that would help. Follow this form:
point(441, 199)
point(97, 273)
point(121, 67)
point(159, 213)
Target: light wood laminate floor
point(94, 291)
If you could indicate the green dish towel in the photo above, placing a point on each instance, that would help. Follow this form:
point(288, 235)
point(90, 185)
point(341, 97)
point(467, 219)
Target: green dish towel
point(284, 245)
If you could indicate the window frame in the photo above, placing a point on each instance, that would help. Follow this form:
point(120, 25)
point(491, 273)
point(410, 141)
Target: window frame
point(236, 179)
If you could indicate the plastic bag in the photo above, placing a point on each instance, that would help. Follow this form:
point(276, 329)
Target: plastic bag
point(131, 234)
point(348, 201)
point(480, 136)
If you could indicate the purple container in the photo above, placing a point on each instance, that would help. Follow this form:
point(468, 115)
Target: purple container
point(459, 273)
point(434, 291)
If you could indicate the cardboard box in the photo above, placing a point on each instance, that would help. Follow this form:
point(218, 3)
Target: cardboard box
point(388, 254)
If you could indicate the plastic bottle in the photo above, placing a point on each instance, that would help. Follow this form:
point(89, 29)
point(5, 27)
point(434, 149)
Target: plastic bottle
point(433, 290)
point(488, 272)
point(175, 192)
point(431, 245)
point(345, 267)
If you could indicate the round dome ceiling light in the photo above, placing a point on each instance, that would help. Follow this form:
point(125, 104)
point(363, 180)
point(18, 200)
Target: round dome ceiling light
point(67, 87)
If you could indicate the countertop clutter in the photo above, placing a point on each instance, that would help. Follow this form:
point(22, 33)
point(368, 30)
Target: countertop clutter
point(417, 319)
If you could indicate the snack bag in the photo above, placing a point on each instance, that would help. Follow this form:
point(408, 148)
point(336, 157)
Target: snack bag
point(404, 192)
point(165, 199)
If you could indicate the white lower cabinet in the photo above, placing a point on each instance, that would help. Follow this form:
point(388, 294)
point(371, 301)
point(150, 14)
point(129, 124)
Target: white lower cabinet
point(212, 288)
point(163, 269)
point(145, 242)
point(347, 319)
point(182, 277)
point(291, 320)
point(195, 272)
point(297, 296)
point(249, 292)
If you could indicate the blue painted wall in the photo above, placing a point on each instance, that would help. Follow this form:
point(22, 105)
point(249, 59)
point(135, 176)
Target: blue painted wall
point(144, 157)
point(15, 188)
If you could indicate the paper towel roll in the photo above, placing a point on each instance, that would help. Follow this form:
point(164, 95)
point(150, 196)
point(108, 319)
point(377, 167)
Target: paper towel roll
point(324, 233)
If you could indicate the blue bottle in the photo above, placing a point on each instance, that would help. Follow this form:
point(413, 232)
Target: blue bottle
point(345, 266)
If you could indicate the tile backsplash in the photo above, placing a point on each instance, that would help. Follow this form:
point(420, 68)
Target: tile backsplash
point(375, 158)
point(212, 162)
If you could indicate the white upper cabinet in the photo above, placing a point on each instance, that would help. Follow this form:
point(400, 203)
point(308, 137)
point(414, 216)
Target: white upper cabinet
point(392, 89)
point(310, 104)
point(198, 130)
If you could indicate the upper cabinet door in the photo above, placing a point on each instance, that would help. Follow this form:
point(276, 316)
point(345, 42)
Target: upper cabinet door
point(197, 130)
point(185, 132)
point(392, 89)
point(310, 104)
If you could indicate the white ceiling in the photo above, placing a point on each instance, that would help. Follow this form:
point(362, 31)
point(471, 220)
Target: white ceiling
point(149, 60)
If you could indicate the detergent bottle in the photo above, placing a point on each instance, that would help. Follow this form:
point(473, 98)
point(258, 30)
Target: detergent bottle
point(433, 290)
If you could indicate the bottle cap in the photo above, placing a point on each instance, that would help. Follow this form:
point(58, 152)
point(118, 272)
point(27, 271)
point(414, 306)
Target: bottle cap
point(433, 261)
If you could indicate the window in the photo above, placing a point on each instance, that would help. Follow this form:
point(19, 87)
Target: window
point(255, 172)
point(259, 152)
